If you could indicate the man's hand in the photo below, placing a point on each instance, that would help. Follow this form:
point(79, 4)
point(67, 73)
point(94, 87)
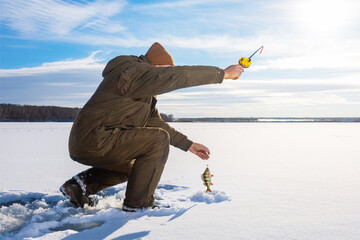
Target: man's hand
point(200, 150)
point(233, 71)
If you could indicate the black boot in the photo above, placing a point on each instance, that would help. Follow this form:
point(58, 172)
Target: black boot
point(74, 192)
point(91, 181)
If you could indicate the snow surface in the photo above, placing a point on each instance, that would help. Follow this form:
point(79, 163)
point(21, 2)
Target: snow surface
point(272, 181)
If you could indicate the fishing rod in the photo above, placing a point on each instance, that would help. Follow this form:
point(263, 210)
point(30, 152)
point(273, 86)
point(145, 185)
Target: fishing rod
point(246, 62)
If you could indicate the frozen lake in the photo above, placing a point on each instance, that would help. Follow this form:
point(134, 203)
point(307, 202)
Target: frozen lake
point(272, 181)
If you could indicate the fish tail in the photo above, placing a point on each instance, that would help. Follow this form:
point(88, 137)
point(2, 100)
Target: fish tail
point(208, 190)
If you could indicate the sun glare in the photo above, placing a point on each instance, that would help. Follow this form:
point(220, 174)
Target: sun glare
point(323, 18)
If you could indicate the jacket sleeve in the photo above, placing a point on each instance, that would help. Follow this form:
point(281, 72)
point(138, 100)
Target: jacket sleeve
point(177, 139)
point(143, 80)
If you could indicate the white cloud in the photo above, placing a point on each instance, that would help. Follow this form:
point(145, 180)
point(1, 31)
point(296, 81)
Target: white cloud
point(300, 38)
point(176, 4)
point(281, 26)
point(90, 62)
point(307, 62)
point(60, 84)
point(59, 18)
point(327, 96)
point(268, 87)
point(180, 103)
point(72, 96)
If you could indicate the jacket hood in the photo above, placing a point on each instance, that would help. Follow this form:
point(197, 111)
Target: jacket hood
point(114, 63)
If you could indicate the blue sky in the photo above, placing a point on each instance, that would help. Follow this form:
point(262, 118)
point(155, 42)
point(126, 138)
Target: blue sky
point(53, 52)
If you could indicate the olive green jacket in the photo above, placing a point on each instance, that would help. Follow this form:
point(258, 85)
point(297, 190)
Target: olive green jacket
point(125, 99)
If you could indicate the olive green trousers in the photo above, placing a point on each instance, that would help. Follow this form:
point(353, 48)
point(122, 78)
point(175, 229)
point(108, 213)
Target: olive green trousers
point(139, 157)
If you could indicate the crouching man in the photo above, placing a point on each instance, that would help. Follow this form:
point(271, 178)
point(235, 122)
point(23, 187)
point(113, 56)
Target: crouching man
point(119, 131)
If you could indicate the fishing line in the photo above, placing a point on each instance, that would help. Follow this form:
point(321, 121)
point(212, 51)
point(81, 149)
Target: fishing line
point(262, 47)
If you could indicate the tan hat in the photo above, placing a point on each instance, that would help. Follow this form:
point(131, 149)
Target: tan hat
point(157, 55)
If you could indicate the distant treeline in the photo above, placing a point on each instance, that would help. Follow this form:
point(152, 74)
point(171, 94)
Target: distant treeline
point(167, 118)
point(216, 119)
point(28, 113)
point(274, 119)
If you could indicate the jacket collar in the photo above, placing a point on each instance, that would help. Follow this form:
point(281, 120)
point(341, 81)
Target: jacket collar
point(144, 59)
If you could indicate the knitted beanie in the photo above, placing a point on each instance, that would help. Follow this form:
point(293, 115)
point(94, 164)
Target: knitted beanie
point(157, 55)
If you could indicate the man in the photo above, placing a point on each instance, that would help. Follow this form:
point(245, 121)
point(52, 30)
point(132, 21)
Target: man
point(120, 133)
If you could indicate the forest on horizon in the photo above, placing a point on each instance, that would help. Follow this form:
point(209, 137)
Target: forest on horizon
point(31, 113)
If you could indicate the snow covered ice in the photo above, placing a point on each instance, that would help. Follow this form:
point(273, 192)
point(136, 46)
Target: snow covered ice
point(271, 181)
point(36, 214)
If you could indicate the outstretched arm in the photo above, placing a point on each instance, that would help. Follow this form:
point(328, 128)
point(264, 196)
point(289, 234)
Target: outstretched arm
point(150, 80)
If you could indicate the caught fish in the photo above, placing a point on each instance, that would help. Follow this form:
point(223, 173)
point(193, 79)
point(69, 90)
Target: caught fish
point(206, 177)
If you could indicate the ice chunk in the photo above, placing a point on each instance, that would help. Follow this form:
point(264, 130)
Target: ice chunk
point(212, 197)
